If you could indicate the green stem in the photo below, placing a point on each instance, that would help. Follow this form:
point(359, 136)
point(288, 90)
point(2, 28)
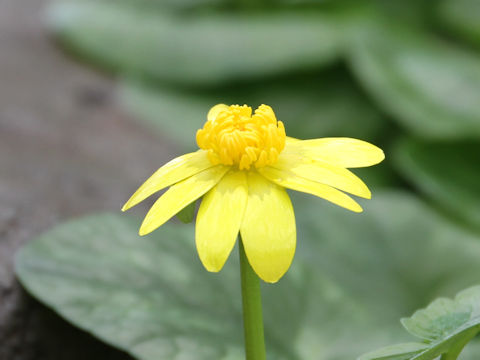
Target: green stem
point(252, 310)
point(455, 350)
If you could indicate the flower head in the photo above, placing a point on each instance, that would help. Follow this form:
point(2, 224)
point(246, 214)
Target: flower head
point(244, 164)
point(233, 136)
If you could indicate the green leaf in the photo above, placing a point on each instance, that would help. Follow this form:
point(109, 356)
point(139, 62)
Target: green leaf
point(448, 173)
point(395, 352)
point(187, 214)
point(446, 325)
point(352, 277)
point(442, 317)
point(471, 298)
point(310, 106)
point(430, 87)
point(201, 49)
point(463, 17)
point(453, 344)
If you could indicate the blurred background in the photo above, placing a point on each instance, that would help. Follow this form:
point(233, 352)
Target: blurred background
point(95, 95)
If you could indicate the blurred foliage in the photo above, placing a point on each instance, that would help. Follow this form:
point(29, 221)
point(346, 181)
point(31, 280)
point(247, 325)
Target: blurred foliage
point(206, 49)
point(430, 87)
point(402, 74)
point(456, 189)
point(342, 296)
point(463, 17)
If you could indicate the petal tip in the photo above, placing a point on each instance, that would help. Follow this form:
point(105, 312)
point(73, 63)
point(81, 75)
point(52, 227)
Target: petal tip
point(215, 110)
point(271, 281)
point(359, 210)
point(211, 263)
point(364, 192)
point(211, 268)
point(381, 156)
point(145, 230)
point(272, 277)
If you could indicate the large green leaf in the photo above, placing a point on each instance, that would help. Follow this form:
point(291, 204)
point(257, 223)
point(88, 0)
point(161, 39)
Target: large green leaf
point(430, 87)
point(448, 173)
point(201, 49)
point(311, 106)
point(353, 276)
point(463, 16)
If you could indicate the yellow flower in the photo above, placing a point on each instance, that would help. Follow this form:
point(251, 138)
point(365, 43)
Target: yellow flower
point(244, 164)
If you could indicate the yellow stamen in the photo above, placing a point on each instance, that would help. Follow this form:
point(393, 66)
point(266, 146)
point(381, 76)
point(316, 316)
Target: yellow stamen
point(233, 136)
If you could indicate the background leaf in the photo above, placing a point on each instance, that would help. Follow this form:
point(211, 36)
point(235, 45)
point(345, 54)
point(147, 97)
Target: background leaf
point(151, 297)
point(205, 49)
point(428, 86)
point(448, 173)
point(462, 16)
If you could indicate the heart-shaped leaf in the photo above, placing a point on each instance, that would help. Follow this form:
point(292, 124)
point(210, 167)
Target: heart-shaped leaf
point(353, 275)
point(430, 87)
point(446, 172)
point(203, 49)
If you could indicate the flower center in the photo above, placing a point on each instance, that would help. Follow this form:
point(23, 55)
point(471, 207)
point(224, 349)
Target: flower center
point(233, 136)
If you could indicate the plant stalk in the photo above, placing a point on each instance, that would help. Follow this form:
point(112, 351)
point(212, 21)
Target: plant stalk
point(252, 310)
point(455, 350)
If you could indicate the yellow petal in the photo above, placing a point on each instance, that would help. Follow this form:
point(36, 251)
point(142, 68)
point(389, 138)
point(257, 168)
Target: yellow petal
point(342, 152)
point(219, 218)
point(322, 172)
point(268, 228)
point(291, 181)
point(172, 172)
point(179, 196)
point(215, 110)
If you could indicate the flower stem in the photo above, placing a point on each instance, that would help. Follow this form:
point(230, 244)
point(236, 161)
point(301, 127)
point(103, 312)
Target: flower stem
point(252, 310)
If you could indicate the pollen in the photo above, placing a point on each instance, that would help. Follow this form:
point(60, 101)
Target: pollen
point(233, 136)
